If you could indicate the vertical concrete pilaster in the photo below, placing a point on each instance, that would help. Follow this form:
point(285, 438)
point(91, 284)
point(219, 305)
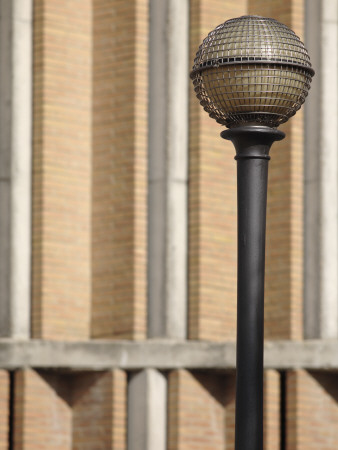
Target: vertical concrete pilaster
point(312, 178)
point(147, 421)
point(15, 166)
point(329, 172)
point(168, 168)
point(321, 174)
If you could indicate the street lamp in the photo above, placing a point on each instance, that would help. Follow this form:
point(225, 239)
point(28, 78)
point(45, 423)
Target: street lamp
point(251, 74)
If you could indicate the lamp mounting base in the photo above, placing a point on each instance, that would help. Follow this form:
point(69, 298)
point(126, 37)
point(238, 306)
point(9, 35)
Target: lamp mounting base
point(252, 141)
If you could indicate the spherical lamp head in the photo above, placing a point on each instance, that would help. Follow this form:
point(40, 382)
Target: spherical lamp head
point(252, 70)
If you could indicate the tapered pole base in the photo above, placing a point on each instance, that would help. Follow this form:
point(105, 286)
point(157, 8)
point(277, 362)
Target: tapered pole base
point(252, 144)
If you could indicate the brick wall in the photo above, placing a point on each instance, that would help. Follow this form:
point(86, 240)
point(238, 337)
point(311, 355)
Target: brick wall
point(312, 410)
point(120, 55)
point(89, 239)
point(61, 169)
point(212, 200)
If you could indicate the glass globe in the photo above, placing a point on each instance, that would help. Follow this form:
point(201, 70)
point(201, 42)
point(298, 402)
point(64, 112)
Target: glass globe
point(252, 70)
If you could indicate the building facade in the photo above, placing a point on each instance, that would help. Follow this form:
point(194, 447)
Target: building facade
point(118, 233)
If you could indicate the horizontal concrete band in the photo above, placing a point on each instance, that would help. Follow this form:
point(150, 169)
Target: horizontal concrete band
point(161, 354)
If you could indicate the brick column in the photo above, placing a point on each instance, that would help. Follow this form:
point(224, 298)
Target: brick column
point(229, 410)
point(61, 169)
point(202, 410)
point(4, 408)
point(196, 416)
point(99, 410)
point(120, 61)
point(272, 409)
point(80, 411)
point(42, 414)
point(284, 249)
point(212, 200)
point(311, 411)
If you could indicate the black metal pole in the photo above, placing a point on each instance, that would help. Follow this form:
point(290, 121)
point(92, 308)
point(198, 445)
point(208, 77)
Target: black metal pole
point(252, 144)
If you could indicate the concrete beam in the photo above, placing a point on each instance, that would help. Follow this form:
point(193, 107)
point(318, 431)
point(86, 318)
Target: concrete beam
point(161, 354)
point(147, 411)
point(15, 166)
point(168, 168)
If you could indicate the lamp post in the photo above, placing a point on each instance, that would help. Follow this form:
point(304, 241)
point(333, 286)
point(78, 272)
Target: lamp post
point(251, 74)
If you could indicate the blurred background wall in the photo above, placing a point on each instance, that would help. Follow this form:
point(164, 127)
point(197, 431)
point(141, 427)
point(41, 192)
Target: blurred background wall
point(118, 233)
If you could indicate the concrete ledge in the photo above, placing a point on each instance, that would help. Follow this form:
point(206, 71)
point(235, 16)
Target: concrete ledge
point(161, 354)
